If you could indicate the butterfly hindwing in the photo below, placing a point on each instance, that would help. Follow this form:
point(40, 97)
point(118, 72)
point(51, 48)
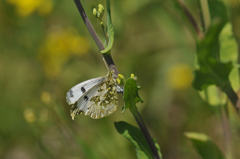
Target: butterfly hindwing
point(77, 91)
point(100, 101)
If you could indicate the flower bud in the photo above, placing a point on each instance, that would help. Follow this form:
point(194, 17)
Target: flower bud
point(95, 12)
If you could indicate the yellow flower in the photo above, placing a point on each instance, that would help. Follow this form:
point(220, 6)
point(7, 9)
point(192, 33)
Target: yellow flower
point(27, 7)
point(29, 115)
point(45, 7)
point(46, 97)
point(180, 76)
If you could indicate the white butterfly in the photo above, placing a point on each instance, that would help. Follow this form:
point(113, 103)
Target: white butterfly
point(96, 97)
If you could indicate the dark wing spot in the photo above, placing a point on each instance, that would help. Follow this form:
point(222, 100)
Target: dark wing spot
point(85, 98)
point(70, 93)
point(83, 89)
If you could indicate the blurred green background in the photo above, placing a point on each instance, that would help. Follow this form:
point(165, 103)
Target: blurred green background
point(45, 49)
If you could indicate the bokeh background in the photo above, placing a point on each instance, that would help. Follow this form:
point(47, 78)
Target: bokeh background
point(45, 49)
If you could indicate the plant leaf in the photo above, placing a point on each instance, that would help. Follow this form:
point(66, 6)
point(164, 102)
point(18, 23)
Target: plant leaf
point(213, 96)
point(229, 53)
point(228, 44)
point(134, 135)
point(211, 70)
point(110, 31)
point(204, 145)
point(218, 10)
point(130, 95)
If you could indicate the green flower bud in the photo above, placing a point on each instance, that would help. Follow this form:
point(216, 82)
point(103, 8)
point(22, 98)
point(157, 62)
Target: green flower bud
point(98, 14)
point(121, 80)
point(100, 7)
point(101, 10)
point(95, 12)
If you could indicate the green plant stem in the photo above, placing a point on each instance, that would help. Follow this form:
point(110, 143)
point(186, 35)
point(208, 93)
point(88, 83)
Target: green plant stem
point(94, 35)
point(232, 96)
point(191, 18)
point(146, 133)
point(205, 14)
point(110, 63)
point(104, 32)
point(226, 130)
point(89, 25)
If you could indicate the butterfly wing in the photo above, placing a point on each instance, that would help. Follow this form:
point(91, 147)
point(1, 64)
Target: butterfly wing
point(77, 91)
point(100, 101)
point(119, 89)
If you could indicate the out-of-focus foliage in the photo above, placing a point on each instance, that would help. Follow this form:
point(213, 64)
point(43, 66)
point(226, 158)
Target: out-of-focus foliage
point(135, 136)
point(205, 146)
point(58, 46)
point(44, 51)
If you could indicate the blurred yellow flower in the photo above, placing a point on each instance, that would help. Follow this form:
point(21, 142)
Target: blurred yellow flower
point(27, 7)
point(29, 115)
point(180, 76)
point(46, 97)
point(58, 46)
point(45, 7)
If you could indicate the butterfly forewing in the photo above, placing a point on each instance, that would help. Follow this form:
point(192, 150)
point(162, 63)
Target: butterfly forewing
point(77, 91)
point(80, 107)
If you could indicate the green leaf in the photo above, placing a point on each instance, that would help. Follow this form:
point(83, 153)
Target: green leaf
point(212, 71)
point(228, 44)
point(213, 96)
point(204, 145)
point(134, 135)
point(130, 95)
point(202, 79)
point(218, 10)
point(110, 31)
point(229, 53)
point(209, 46)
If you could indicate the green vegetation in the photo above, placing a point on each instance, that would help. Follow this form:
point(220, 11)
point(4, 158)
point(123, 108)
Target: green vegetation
point(185, 57)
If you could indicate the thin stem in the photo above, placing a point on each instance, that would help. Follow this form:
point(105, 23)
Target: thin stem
point(147, 135)
point(94, 35)
point(232, 96)
point(110, 63)
point(191, 18)
point(89, 25)
point(104, 32)
point(205, 14)
point(200, 12)
point(226, 131)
